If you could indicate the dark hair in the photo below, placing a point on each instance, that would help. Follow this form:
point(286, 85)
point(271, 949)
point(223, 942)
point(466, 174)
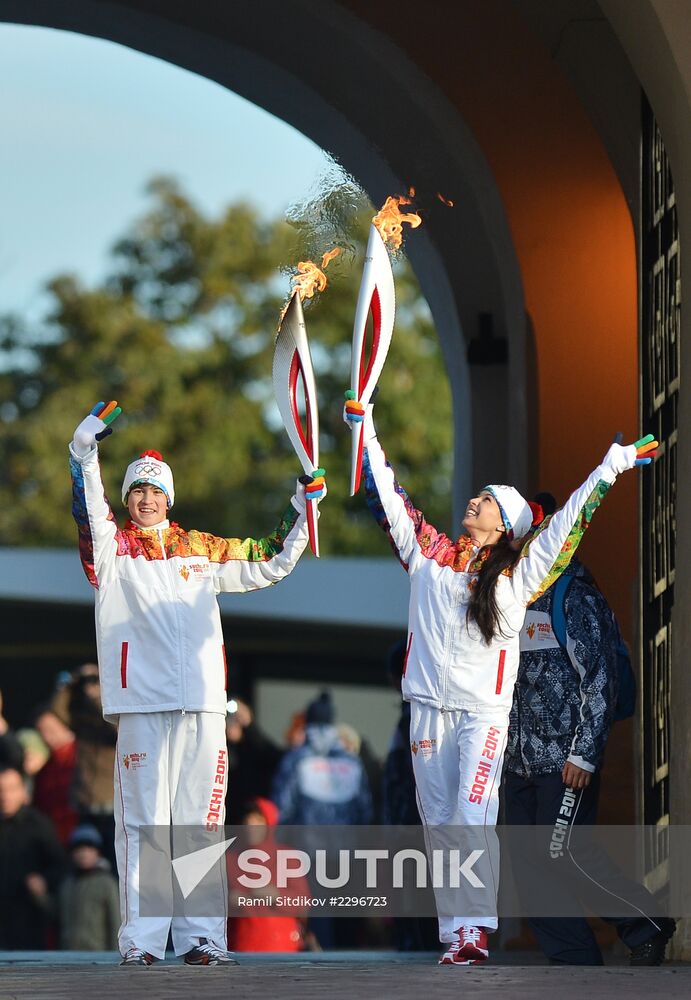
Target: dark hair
point(547, 502)
point(252, 808)
point(483, 608)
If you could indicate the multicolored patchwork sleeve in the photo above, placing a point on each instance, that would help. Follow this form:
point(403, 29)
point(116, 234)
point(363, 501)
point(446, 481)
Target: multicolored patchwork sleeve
point(394, 511)
point(240, 565)
point(96, 524)
point(547, 554)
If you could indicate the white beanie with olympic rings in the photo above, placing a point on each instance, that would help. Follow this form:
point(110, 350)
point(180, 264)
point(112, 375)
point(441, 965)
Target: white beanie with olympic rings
point(515, 510)
point(149, 468)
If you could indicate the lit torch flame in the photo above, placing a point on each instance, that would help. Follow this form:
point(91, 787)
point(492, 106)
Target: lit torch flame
point(445, 201)
point(389, 219)
point(329, 256)
point(310, 278)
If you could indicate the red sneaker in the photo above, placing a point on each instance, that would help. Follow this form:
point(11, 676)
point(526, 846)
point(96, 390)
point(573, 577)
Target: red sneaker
point(449, 956)
point(472, 945)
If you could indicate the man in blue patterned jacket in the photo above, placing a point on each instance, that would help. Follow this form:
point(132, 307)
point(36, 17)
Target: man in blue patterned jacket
point(563, 708)
point(564, 699)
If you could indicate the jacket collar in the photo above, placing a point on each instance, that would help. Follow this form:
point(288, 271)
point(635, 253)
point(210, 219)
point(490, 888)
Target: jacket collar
point(130, 525)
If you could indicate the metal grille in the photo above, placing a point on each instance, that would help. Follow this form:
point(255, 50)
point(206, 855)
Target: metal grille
point(661, 308)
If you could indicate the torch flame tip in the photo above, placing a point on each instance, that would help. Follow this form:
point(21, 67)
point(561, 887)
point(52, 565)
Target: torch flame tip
point(310, 278)
point(389, 219)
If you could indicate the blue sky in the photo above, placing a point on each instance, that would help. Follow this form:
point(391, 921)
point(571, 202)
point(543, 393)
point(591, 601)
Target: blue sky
point(85, 123)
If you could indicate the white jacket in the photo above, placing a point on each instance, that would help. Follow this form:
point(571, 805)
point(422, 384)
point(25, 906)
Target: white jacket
point(448, 664)
point(158, 625)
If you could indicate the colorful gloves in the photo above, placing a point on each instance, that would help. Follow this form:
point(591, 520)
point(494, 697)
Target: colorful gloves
point(620, 457)
point(314, 485)
point(95, 427)
point(354, 411)
point(646, 449)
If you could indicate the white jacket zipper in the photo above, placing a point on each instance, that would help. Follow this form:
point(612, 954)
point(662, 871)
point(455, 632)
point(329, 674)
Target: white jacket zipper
point(448, 644)
point(183, 693)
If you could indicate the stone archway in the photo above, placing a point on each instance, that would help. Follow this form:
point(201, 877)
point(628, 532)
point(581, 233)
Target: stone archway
point(275, 55)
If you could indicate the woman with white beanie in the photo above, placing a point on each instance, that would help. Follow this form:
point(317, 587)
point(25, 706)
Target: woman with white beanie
point(468, 600)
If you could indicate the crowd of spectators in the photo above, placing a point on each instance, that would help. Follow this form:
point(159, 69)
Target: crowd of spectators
point(57, 886)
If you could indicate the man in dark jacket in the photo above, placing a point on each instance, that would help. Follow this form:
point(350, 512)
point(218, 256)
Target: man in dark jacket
point(564, 701)
point(31, 866)
point(563, 708)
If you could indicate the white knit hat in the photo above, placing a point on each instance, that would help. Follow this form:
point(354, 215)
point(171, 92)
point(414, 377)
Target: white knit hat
point(149, 468)
point(515, 510)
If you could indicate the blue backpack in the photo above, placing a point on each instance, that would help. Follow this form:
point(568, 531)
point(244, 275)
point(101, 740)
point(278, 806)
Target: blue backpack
point(626, 681)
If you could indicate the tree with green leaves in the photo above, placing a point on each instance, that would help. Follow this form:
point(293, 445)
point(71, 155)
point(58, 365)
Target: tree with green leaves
point(181, 333)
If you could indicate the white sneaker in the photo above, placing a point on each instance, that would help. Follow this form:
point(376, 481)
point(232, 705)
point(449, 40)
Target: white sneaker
point(137, 956)
point(208, 953)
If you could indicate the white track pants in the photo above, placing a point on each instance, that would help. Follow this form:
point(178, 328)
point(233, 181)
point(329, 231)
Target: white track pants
point(457, 761)
point(169, 768)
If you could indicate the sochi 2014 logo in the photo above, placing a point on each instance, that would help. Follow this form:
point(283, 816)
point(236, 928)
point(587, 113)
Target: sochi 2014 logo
point(132, 761)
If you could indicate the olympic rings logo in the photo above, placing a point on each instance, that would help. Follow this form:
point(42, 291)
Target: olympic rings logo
point(147, 469)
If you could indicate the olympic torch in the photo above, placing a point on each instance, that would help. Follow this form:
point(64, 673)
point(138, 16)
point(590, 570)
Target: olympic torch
point(377, 299)
point(295, 389)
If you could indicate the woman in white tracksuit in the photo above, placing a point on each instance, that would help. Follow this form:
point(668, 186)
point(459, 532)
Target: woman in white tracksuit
point(162, 665)
point(468, 600)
